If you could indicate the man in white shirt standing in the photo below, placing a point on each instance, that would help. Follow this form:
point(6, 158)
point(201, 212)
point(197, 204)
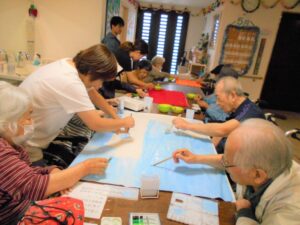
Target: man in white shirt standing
point(67, 87)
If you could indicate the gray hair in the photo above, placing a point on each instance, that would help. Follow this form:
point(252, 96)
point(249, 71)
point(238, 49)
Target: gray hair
point(157, 60)
point(228, 71)
point(231, 84)
point(263, 146)
point(14, 102)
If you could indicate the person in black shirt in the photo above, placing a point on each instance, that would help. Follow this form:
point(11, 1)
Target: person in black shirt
point(231, 98)
point(129, 52)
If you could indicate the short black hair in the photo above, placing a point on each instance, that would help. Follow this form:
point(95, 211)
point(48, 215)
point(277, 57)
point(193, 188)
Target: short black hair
point(116, 20)
point(145, 64)
point(138, 45)
point(142, 46)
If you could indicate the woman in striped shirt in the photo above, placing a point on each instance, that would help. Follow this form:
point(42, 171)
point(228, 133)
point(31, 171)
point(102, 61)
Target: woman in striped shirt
point(21, 183)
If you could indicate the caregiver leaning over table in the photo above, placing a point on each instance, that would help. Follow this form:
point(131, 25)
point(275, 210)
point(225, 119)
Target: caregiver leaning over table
point(67, 87)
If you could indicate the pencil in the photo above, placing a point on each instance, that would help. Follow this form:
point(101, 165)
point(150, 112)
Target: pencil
point(161, 161)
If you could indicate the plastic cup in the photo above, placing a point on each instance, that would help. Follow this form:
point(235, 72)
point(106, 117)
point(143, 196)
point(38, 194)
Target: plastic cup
point(148, 104)
point(149, 186)
point(190, 114)
point(121, 106)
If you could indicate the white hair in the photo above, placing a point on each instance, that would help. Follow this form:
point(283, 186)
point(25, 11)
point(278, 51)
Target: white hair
point(262, 145)
point(231, 84)
point(14, 102)
point(157, 60)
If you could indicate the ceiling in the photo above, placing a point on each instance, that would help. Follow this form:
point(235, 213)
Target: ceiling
point(188, 3)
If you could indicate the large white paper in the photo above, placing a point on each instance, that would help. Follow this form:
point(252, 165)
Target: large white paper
point(192, 210)
point(132, 157)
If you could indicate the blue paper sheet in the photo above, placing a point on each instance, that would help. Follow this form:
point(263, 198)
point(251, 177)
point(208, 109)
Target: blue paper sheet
point(194, 179)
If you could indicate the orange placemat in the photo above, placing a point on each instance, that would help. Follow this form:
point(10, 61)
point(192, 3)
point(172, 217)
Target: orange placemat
point(176, 98)
point(190, 83)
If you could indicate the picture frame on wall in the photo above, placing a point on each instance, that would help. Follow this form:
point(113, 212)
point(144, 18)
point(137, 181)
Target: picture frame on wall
point(239, 45)
point(112, 9)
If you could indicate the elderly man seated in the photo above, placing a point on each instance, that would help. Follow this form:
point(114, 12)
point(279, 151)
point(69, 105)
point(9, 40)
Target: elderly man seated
point(230, 97)
point(156, 74)
point(259, 157)
point(213, 112)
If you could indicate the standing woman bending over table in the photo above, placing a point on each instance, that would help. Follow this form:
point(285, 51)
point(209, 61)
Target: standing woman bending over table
point(129, 52)
point(67, 87)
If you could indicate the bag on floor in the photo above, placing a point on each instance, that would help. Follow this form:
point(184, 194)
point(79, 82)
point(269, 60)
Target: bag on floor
point(55, 211)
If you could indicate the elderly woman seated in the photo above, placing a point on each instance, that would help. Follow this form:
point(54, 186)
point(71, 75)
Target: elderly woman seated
point(156, 74)
point(20, 182)
point(136, 77)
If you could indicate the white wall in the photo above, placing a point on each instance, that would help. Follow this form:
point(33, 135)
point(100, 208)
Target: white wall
point(268, 21)
point(208, 28)
point(65, 27)
point(195, 29)
point(62, 28)
point(13, 17)
point(130, 21)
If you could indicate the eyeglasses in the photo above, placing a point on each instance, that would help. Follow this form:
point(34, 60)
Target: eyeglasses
point(225, 163)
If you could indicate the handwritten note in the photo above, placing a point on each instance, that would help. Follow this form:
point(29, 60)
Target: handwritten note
point(93, 201)
point(193, 210)
point(94, 196)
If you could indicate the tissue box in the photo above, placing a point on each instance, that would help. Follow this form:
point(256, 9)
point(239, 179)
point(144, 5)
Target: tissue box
point(133, 104)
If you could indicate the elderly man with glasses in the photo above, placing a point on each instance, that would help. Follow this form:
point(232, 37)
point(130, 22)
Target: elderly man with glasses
point(258, 157)
point(231, 99)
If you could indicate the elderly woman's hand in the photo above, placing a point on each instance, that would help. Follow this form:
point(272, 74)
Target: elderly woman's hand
point(95, 165)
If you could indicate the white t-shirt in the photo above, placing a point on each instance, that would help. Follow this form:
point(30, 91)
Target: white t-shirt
point(57, 93)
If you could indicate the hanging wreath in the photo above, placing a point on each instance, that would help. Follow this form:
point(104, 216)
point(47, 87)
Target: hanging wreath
point(250, 6)
point(247, 4)
point(289, 4)
point(269, 4)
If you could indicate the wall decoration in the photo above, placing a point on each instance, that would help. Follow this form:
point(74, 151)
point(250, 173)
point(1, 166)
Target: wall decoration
point(135, 3)
point(212, 7)
point(185, 9)
point(250, 6)
point(239, 44)
point(253, 5)
point(235, 2)
point(32, 11)
point(290, 4)
point(268, 4)
point(259, 55)
point(112, 9)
